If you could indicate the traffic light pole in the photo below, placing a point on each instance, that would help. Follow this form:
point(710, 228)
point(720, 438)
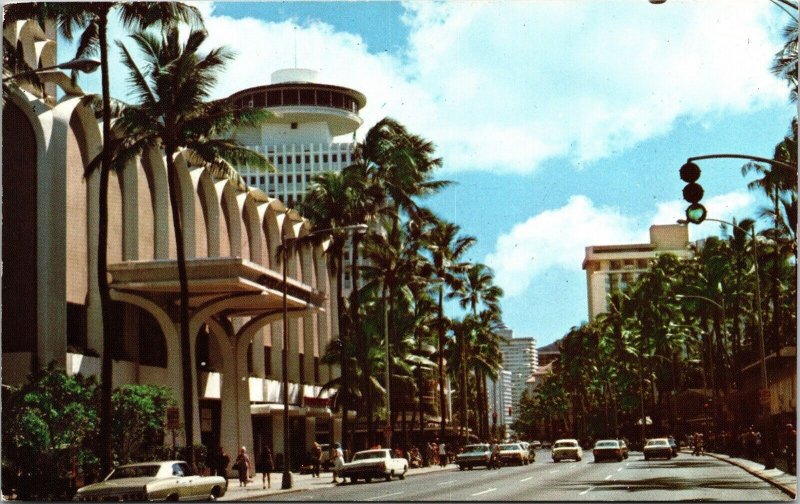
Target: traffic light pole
point(742, 156)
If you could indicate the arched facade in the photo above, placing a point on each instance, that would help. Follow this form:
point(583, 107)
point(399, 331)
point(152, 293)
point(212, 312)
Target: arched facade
point(232, 239)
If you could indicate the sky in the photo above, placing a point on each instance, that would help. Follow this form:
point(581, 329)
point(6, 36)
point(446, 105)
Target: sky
point(563, 123)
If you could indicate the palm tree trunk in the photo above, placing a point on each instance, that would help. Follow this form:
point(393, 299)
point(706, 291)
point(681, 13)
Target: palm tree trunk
point(186, 354)
point(354, 318)
point(106, 372)
point(344, 382)
point(442, 404)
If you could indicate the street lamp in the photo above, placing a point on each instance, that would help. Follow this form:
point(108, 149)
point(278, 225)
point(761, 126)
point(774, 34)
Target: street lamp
point(286, 481)
point(85, 65)
point(759, 320)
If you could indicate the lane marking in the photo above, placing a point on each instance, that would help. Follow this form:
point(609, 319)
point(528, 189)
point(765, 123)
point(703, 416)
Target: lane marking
point(382, 496)
point(608, 477)
point(484, 492)
point(554, 471)
point(526, 479)
point(618, 470)
point(446, 482)
point(586, 491)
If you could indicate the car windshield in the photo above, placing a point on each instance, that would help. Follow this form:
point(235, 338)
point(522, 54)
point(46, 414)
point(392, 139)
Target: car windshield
point(607, 444)
point(476, 448)
point(509, 447)
point(369, 455)
point(657, 442)
point(565, 444)
point(134, 471)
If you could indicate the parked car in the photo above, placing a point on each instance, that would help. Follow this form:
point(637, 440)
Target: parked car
point(567, 449)
point(368, 464)
point(170, 480)
point(624, 446)
point(529, 450)
point(474, 455)
point(607, 449)
point(513, 453)
point(674, 445)
point(657, 447)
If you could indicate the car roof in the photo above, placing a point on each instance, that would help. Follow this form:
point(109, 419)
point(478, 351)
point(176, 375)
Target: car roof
point(154, 462)
point(607, 441)
point(566, 439)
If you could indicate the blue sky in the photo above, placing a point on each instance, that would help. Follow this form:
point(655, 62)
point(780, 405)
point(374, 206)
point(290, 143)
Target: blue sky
point(563, 122)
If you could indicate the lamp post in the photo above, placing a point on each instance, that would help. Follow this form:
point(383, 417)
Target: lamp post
point(286, 481)
point(770, 464)
point(85, 65)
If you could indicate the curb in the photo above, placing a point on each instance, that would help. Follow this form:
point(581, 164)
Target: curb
point(757, 473)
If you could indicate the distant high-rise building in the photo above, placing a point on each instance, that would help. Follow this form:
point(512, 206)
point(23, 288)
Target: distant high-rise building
point(610, 267)
point(500, 399)
point(519, 358)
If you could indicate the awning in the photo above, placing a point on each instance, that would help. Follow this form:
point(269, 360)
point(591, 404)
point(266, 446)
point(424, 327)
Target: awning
point(277, 409)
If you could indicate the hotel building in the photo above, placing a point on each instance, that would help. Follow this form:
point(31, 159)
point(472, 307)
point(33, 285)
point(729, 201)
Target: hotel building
point(519, 358)
point(51, 310)
point(613, 267)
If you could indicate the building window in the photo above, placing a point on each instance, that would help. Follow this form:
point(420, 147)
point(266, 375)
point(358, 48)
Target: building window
point(274, 98)
point(262, 180)
point(293, 125)
point(289, 179)
point(76, 327)
point(324, 158)
point(267, 360)
point(334, 158)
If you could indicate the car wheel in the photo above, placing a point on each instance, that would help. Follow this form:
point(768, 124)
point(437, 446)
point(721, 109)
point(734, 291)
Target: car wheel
point(460, 467)
point(646, 457)
point(578, 459)
point(555, 460)
point(388, 477)
point(172, 498)
point(403, 475)
point(368, 479)
point(619, 459)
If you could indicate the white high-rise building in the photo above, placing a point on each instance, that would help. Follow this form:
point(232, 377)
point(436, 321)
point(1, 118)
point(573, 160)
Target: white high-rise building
point(311, 131)
point(519, 357)
point(500, 399)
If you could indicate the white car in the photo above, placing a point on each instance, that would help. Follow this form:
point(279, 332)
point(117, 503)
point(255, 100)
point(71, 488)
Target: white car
point(529, 450)
point(170, 480)
point(513, 453)
point(378, 463)
point(567, 449)
point(474, 455)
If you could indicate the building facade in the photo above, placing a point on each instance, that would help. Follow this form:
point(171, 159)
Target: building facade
point(613, 267)
point(500, 400)
point(51, 310)
point(519, 358)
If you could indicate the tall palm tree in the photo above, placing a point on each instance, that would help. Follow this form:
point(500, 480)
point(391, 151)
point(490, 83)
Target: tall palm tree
point(173, 112)
point(446, 249)
point(92, 19)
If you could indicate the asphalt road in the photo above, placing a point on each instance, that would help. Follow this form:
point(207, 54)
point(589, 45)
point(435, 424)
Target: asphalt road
point(684, 478)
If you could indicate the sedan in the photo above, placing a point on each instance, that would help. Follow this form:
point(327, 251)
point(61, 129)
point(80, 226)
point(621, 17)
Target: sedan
point(567, 449)
point(607, 449)
point(171, 480)
point(378, 463)
point(658, 447)
point(529, 450)
point(474, 455)
point(512, 453)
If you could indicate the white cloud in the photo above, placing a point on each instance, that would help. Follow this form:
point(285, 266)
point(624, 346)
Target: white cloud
point(503, 86)
point(557, 238)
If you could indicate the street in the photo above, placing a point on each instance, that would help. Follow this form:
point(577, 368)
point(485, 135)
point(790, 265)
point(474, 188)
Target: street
point(684, 478)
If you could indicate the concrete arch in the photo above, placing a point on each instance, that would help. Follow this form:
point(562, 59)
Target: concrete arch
point(229, 222)
point(200, 213)
point(252, 237)
point(156, 172)
point(186, 198)
point(207, 194)
point(272, 224)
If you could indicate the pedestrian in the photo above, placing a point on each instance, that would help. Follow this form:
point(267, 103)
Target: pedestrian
point(442, 454)
point(338, 462)
point(316, 459)
point(221, 463)
point(265, 465)
point(242, 464)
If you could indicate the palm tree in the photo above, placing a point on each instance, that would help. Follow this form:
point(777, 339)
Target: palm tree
point(92, 19)
point(173, 113)
point(446, 249)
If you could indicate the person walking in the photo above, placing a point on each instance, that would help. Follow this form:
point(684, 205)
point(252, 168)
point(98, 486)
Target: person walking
point(316, 459)
point(221, 463)
point(265, 464)
point(337, 455)
point(442, 454)
point(242, 464)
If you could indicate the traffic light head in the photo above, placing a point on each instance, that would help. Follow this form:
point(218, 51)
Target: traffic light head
point(693, 193)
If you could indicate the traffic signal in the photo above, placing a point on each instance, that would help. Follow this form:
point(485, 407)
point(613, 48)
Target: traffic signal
point(693, 193)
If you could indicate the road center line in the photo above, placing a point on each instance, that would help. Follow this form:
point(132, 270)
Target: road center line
point(446, 482)
point(608, 477)
point(485, 491)
point(526, 479)
point(554, 471)
point(618, 470)
point(382, 496)
point(586, 491)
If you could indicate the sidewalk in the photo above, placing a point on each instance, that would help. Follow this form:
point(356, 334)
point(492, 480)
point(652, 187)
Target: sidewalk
point(300, 482)
point(775, 477)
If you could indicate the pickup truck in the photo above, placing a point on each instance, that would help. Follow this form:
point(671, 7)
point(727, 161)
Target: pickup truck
point(378, 463)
